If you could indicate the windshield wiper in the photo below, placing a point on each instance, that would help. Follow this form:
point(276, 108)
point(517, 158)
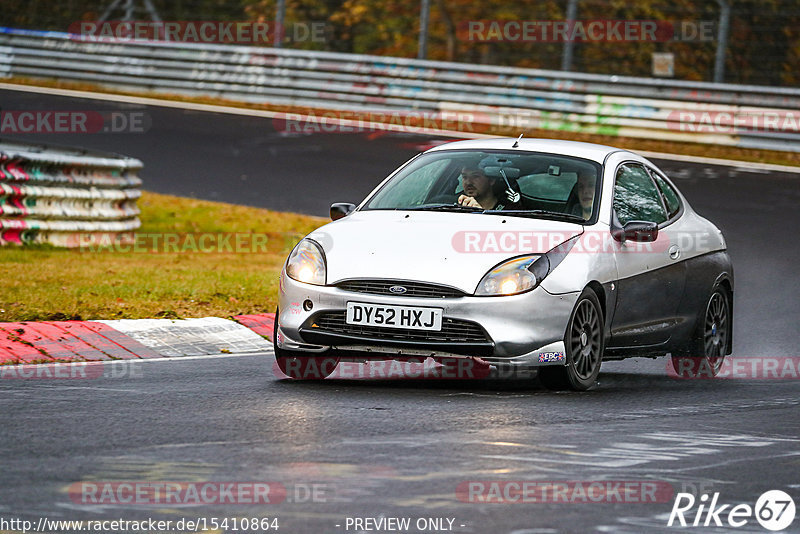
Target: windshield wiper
point(446, 207)
point(540, 214)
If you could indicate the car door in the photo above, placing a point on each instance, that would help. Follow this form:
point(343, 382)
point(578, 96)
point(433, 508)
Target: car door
point(651, 277)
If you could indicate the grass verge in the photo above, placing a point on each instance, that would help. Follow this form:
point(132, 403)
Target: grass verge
point(149, 280)
point(630, 143)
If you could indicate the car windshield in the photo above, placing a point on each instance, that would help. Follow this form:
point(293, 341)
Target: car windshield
point(533, 184)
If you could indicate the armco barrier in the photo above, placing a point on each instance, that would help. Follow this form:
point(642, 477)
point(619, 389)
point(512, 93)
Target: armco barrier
point(495, 97)
point(66, 197)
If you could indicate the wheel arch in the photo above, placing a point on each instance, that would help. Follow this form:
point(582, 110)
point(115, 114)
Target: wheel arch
point(725, 281)
point(605, 305)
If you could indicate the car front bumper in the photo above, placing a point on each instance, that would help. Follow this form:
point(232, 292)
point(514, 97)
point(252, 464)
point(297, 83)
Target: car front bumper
point(520, 330)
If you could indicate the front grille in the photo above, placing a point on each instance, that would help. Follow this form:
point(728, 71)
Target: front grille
point(453, 330)
point(413, 289)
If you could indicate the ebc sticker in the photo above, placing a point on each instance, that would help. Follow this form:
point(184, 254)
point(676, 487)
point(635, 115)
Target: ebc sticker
point(548, 357)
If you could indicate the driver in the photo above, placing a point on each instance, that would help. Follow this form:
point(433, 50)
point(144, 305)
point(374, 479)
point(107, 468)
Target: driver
point(480, 191)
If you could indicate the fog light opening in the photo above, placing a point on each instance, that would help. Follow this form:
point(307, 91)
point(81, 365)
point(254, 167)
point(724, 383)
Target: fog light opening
point(307, 305)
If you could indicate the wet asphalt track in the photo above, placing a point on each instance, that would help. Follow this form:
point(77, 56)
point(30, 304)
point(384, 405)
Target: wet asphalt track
point(400, 448)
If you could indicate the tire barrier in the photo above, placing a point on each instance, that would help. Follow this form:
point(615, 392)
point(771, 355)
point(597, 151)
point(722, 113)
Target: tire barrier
point(66, 197)
point(488, 98)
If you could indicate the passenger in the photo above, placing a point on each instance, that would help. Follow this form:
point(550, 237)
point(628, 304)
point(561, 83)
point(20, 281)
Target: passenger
point(586, 184)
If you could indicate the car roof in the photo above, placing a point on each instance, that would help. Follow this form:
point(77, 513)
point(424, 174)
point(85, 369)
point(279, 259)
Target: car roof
point(578, 149)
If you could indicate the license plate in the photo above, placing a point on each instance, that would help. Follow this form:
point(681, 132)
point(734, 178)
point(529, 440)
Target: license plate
point(394, 316)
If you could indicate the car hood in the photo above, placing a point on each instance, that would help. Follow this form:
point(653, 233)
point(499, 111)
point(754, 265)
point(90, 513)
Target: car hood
point(454, 249)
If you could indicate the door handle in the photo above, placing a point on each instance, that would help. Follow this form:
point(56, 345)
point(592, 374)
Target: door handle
point(674, 252)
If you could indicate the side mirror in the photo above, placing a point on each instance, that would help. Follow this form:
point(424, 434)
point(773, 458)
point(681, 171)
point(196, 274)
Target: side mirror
point(639, 231)
point(341, 209)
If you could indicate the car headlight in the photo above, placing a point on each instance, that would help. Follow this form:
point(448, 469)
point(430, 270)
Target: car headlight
point(522, 274)
point(306, 263)
point(509, 278)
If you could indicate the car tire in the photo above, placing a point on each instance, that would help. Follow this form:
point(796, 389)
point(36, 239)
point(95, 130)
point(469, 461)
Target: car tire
point(584, 341)
point(300, 365)
point(709, 342)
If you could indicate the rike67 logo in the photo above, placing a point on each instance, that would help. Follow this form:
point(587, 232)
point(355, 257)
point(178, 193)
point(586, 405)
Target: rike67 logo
point(774, 510)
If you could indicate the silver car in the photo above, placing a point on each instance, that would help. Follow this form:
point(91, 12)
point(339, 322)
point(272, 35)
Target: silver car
point(523, 254)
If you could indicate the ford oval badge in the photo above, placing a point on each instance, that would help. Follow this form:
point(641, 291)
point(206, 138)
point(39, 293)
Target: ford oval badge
point(398, 290)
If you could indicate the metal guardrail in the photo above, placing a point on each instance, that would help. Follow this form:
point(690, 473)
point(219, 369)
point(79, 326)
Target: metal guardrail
point(66, 197)
point(492, 97)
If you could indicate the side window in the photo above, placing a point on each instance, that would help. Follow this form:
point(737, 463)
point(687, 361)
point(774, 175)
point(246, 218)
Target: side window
point(636, 197)
point(671, 198)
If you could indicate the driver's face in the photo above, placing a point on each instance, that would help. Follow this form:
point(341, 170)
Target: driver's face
point(476, 184)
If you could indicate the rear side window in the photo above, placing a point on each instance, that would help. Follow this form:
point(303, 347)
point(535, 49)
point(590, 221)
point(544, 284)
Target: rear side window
point(636, 197)
point(671, 198)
